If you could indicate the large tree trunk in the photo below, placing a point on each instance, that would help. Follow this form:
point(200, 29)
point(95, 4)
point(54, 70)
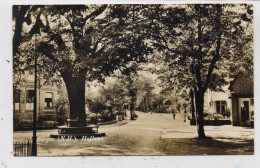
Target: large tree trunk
point(199, 100)
point(75, 84)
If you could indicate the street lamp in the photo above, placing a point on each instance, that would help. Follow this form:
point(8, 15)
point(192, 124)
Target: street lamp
point(34, 138)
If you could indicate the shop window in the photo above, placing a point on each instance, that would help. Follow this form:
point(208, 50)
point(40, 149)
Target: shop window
point(48, 100)
point(221, 106)
point(29, 99)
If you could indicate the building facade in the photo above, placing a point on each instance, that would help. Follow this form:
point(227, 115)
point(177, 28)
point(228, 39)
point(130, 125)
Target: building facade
point(218, 104)
point(242, 96)
point(24, 92)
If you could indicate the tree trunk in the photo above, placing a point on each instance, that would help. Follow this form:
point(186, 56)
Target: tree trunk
point(192, 104)
point(199, 100)
point(19, 20)
point(75, 84)
point(132, 105)
point(145, 104)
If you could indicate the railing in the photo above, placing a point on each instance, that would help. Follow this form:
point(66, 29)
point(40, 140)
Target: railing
point(23, 149)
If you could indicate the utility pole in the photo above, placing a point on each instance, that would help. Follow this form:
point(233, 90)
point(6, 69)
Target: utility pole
point(34, 138)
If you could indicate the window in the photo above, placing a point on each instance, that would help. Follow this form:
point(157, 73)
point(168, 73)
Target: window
point(29, 99)
point(48, 100)
point(221, 106)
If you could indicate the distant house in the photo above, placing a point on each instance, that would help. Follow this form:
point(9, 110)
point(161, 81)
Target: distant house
point(218, 104)
point(47, 95)
point(242, 96)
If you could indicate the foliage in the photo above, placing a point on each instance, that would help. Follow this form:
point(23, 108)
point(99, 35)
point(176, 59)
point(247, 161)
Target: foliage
point(205, 43)
point(194, 47)
point(114, 94)
point(61, 108)
point(200, 44)
point(102, 111)
point(145, 92)
point(78, 43)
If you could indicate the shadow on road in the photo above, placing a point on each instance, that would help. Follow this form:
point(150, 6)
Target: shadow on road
point(193, 146)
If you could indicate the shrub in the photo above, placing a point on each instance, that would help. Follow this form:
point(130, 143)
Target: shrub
point(162, 109)
point(101, 110)
point(61, 110)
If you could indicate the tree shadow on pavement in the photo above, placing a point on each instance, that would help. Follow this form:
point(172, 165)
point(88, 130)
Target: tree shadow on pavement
point(194, 146)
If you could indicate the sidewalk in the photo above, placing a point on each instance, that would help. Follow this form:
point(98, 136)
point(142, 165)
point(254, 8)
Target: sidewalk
point(225, 131)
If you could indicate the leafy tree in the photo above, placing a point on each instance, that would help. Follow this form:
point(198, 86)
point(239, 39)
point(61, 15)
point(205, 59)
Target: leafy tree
point(202, 43)
point(158, 103)
point(114, 94)
point(138, 49)
point(22, 15)
point(77, 43)
point(145, 87)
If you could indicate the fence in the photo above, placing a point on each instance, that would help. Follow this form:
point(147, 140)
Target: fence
point(23, 149)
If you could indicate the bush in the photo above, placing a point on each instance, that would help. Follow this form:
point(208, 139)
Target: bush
point(92, 120)
point(162, 109)
point(226, 113)
point(41, 123)
point(100, 112)
point(24, 124)
point(61, 110)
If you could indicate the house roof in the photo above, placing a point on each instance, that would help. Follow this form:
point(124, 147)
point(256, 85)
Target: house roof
point(242, 85)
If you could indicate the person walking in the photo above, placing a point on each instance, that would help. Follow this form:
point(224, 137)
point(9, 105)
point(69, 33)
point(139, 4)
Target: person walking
point(173, 114)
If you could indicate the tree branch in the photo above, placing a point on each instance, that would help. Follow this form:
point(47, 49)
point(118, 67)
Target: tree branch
point(19, 13)
point(216, 55)
point(45, 50)
point(212, 64)
point(96, 12)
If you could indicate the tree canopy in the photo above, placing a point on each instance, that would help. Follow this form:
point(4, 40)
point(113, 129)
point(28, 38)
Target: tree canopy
point(202, 44)
point(195, 45)
point(76, 43)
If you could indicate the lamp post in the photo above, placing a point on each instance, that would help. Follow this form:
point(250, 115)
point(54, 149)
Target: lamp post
point(34, 138)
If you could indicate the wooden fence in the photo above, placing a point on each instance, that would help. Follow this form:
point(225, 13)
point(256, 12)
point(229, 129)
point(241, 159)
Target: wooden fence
point(23, 149)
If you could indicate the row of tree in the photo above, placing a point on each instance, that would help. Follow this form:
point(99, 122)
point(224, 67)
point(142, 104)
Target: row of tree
point(194, 46)
point(115, 94)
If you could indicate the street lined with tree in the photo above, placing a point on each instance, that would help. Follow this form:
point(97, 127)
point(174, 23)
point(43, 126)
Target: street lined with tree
point(159, 58)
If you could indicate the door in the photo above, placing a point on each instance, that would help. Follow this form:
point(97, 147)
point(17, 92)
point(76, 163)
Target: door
point(244, 110)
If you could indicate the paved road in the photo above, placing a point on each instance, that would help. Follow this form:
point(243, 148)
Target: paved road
point(150, 134)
